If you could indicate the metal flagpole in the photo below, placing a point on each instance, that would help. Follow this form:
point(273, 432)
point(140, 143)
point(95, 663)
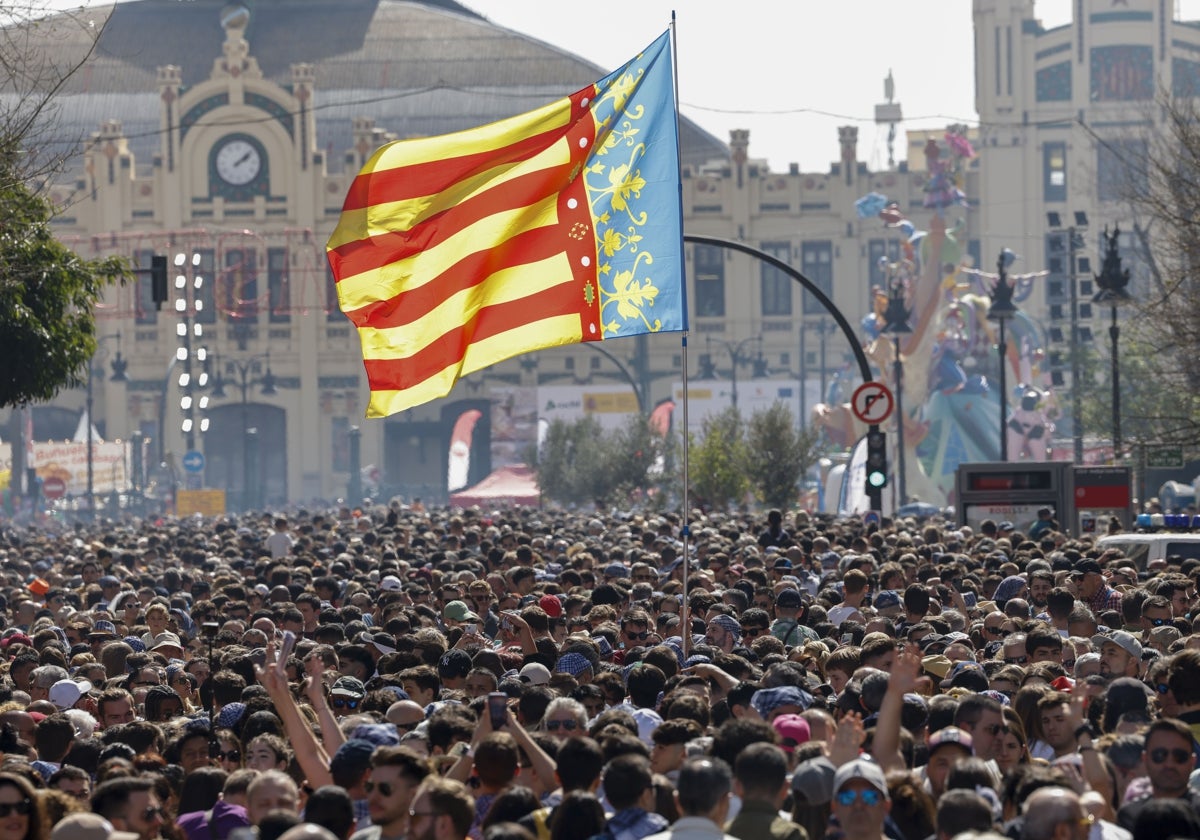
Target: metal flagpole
point(685, 621)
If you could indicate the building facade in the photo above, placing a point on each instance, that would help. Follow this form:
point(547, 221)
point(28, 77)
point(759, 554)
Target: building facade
point(1066, 114)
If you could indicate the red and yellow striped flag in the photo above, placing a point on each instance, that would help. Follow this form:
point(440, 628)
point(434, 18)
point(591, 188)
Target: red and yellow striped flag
point(550, 228)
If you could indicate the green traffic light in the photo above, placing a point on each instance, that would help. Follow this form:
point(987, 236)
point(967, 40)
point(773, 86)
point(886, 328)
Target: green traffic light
point(877, 479)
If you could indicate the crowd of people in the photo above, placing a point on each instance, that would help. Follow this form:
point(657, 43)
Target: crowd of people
point(391, 673)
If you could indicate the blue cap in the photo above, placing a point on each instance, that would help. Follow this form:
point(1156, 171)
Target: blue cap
point(573, 664)
point(768, 700)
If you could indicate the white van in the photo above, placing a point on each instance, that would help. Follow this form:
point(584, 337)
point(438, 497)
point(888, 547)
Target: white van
point(1142, 548)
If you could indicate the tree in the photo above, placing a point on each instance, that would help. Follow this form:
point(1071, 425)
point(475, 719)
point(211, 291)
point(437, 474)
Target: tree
point(580, 463)
point(47, 293)
point(1160, 336)
point(717, 469)
point(48, 296)
point(777, 455)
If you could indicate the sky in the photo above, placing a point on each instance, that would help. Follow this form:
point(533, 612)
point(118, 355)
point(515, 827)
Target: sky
point(790, 71)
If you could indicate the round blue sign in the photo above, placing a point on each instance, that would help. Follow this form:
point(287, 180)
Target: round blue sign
point(193, 461)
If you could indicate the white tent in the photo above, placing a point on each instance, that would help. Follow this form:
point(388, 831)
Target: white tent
point(81, 431)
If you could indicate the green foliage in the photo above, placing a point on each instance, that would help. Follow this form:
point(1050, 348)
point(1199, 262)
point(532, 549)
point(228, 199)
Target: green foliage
point(1155, 407)
point(777, 455)
point(48, 296)
point(580, 463)
point(717, 471)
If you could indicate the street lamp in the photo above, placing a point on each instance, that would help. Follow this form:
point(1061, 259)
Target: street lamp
point(896, 318)
point(737, 357)
point(1074, 244)
point(119, 366)
point(1002, 310)
point(247, 372)
point(1112, 281)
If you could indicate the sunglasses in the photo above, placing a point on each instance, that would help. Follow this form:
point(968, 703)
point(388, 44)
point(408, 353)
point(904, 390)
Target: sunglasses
point(1159, 756)
point(384, 788)
point(151, 813)
point(641, 637)
point(849, 797)
point(991, 629)
point(994, 729)
point(23, 808)
point(1162, 688)
point(1016, 660)
point(554, 725)
point(753, 631)
point(1159, 622)
point(232, 755)
point(343, 703)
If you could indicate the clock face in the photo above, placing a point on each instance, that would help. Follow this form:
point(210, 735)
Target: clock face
point(238, 162)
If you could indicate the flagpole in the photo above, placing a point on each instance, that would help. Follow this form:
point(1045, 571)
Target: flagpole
point(685, 621)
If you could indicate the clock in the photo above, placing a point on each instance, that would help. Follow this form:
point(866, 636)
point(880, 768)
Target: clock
point(238, 162)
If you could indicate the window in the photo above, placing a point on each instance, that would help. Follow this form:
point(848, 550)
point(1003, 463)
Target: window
point(206, 297)
point(1054, 171)
point(147, 313)
point(776, 286)
point(339, 441)
point(710, 281)
point(1119, 172)
point(278, 293)
point(333, 312)
point(239, 288)
point(816, 261)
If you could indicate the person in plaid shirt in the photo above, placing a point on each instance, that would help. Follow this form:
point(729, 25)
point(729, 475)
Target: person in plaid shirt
point(1093, 587)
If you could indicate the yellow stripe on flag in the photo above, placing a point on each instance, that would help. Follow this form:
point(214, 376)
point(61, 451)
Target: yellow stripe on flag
point(387, 217)
point(413, 272)
point(505, 286)
point(487, 138)
point(559, 330)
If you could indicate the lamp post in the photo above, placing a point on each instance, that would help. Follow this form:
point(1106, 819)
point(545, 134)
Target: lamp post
point(119, 366)
point(247, 372)
point(1003, 309)
point(737, 357)
point(896, 318)
point(1113, 281)
point(634, 383)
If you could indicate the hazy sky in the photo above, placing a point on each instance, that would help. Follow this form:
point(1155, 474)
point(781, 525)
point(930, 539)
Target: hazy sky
point(791, 71)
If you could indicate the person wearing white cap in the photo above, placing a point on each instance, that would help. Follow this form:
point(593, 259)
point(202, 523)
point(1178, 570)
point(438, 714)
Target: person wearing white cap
point(860, 800)
point(69, 694)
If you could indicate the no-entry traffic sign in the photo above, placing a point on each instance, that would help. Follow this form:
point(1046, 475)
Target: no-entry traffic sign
point(872, 403)
point(53, 487)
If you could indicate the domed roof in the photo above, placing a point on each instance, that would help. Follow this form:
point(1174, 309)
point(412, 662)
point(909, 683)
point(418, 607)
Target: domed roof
point(417, 67)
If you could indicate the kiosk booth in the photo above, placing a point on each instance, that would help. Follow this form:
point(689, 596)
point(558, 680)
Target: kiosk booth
point(1082, 498)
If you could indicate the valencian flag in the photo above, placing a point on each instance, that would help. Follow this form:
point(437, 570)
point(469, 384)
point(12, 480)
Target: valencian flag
point(550, 228)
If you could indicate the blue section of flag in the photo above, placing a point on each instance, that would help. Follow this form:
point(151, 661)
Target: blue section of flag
point(633, 185)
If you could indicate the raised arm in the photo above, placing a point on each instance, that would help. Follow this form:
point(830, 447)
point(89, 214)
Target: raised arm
point(310, 755)
point(886, 744)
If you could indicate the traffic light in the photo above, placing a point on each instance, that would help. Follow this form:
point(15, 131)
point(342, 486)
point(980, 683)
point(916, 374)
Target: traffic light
point(158, 280)
point(876, 459)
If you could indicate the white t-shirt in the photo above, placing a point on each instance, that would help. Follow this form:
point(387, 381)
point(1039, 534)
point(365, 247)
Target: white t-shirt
point(279, 544)
point(840, 613)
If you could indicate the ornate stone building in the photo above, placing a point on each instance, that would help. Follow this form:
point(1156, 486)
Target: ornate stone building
point(227, 138)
